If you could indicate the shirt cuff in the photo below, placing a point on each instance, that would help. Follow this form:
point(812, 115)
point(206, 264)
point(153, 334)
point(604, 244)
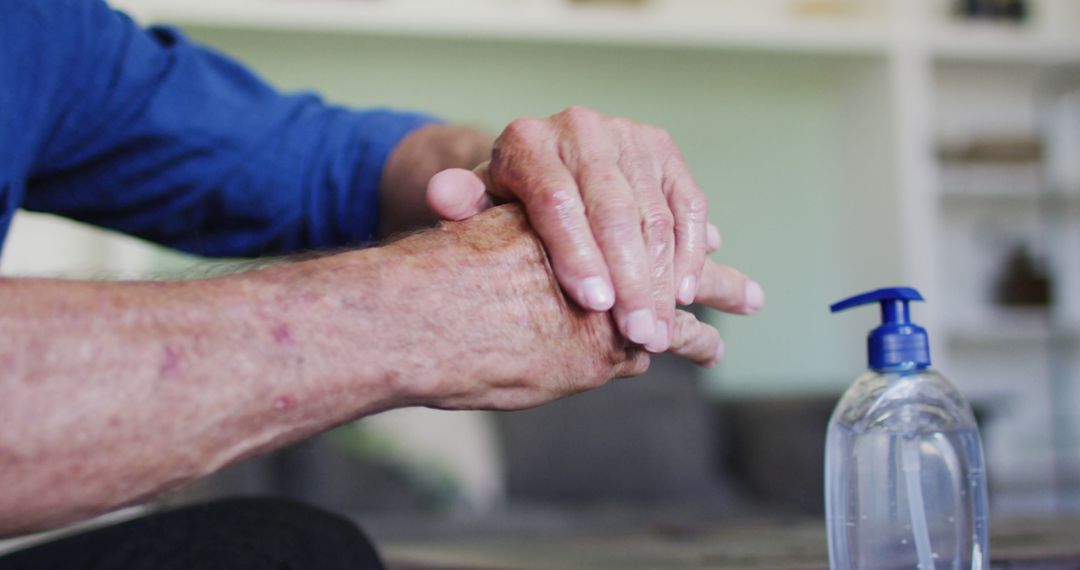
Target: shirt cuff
point(376, 134)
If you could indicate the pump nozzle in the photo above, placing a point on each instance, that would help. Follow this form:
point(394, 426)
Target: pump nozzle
point(898, 342)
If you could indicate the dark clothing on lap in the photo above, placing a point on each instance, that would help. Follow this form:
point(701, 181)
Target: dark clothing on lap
point(235, 534)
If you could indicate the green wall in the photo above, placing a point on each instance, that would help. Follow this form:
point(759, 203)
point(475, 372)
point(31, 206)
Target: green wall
point(769, 136)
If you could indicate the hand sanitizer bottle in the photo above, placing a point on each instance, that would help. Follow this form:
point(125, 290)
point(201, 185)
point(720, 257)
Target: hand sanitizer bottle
point(905, 485)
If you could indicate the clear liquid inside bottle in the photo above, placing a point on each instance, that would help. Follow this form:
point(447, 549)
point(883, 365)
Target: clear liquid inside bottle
point(905, 479)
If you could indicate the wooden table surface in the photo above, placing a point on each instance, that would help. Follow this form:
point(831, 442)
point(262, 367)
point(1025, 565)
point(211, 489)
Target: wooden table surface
point(1035, 544)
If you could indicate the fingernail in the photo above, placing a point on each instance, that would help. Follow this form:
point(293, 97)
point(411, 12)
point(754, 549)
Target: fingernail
point(598, 294)
point(640, 326)
point(688, 290)
point(712, 237)
point(755, 296)
point(660, 341)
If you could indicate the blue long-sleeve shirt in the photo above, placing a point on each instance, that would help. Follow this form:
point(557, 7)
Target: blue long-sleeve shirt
point(141, 131)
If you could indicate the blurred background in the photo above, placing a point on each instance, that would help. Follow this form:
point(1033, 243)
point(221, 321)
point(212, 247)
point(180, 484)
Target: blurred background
point(844, 145)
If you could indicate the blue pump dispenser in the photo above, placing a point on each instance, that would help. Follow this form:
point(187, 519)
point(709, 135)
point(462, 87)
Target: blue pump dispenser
point(905, 482)
point(898, 342)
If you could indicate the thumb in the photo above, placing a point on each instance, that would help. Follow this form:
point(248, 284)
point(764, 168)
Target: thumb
point(457, 194)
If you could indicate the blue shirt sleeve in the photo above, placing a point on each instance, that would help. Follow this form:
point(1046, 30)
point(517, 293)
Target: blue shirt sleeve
point(154, 136)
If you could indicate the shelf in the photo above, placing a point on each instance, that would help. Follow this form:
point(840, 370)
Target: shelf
point(1016, 197)
point(1022, 327)
point(649, 26)
point(970, 337)
point(524, 22)
point(977, 43)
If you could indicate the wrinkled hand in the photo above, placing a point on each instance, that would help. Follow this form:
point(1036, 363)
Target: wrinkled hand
point(518, 341)
point(621, 216)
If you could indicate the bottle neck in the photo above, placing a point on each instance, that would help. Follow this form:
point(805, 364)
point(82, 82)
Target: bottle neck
point(903, 368)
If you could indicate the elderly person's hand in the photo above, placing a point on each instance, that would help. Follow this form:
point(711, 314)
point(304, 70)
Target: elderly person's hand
point(517, 340)
point(622, 218)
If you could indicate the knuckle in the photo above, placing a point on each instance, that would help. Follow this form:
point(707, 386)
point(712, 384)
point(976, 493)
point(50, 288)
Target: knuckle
point(684, 322)
point(579, 111)
point(661, 136)
point(555, 197)
point(671, 157)
point(695, 339)
point(579, 117)
point(625, 125)
point(639, 364)
point(522, 130)
point(633, 362)
point(680, 184)
point(659, 223)
point(696, 205)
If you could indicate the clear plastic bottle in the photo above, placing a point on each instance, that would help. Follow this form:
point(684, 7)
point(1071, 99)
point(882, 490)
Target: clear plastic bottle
point(905, 483)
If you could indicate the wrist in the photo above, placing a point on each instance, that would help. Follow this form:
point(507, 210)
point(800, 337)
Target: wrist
point(417, 158)
point(469, 315)
point(495, 322)
point(397, 324)
point(447, 312)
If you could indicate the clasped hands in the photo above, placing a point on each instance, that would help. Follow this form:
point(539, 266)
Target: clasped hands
point(622, 219)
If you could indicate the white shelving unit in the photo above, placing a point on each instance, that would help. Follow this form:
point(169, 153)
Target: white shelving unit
point(992, 82)
point(665, 24)
point(916, 68)
point(732, 24)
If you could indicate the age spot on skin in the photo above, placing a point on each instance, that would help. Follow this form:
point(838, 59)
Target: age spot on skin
point(391, 378)
point(282, 335)
point(284, 403)
point(171, 361)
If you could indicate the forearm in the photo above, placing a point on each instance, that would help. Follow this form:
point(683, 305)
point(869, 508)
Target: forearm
point(418, 157)
point(116, 391)
point(113, 392)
